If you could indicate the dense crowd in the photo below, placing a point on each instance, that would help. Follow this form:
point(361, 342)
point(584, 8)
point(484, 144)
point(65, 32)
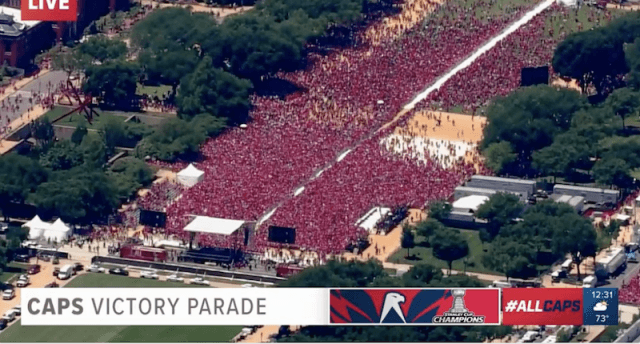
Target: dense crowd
point(498, 71)
point(344, 97)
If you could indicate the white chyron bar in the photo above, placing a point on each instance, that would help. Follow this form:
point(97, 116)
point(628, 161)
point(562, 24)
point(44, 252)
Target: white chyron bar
point(175, 306)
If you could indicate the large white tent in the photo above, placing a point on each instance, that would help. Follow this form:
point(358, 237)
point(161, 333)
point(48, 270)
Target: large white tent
point(37, 227)
point(190, 176)
point(371, 218)
point(57, 232)
point(213, 225)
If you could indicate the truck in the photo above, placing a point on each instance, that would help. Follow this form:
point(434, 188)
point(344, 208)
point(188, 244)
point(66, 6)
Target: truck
point(138, 252)
point(610, 263)
point(66, 272)
point(590, 282)
point(286, 270)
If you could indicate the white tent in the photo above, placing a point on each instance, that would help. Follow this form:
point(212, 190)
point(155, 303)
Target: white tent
point(212, 225)
point(568, 3)
point(190, 176)
point(37, 227)
point(57, 232)
point(469, 204)
point(371, 218)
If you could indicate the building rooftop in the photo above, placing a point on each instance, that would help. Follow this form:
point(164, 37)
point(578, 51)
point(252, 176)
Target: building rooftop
point(585, 189)
point(11, 23)
point(470, 202)
point(504, 180)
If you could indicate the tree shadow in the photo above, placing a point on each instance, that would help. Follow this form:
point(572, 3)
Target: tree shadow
point(276, 87)
point(412, 257)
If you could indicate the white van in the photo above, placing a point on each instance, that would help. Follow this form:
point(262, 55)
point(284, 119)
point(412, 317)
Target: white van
point(501, 284)
point(566, 266)
point(65, 272)
point(590, 282)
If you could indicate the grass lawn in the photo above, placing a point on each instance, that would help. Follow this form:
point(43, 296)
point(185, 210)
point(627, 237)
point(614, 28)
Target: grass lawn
point(75, 119)
point(13, 268)
point(92, 334)
point(421, 254)
point(153, 90)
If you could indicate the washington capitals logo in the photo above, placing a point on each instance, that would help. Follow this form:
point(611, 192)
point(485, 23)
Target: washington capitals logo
point(413, 306)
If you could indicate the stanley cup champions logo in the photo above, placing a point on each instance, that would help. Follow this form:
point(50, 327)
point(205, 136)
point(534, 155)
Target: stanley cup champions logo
point(458, 314)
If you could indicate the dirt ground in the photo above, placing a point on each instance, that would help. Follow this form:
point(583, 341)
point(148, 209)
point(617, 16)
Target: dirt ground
point(446, 137)
point(571, 84)
point(219, 12)
point(446, 126)
point(389, 243)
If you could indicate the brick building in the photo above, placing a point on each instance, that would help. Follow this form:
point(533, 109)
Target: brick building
point(21, 41)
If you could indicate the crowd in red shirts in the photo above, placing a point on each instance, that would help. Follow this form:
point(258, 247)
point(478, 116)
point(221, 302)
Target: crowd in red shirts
point(344, 97)
point(497, 72)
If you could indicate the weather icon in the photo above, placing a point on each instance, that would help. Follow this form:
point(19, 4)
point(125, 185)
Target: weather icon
point(600, 306)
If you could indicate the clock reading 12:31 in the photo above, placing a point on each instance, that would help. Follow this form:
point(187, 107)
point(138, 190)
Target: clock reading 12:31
point(600, 306)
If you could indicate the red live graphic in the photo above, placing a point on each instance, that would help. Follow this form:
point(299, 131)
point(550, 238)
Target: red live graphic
point(548, 306)
point(49, 10)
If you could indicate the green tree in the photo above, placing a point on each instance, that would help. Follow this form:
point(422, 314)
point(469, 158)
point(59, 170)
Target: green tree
point(612, 171)
point(42, 131)
point(530, 118)
point(428, 228)
point(449, 245)
point(623, 102)
point(575, 235)
point(19, 177)
point(499, 155)
point(114, 83)
point(174, 139)
point(103, 49)
point(421, 275)
point(499, 210)
point(439, 210)
point(113, 134)
point(63, 155)
point(94, 151)
point(594, 58)
point(79, 134)
point(215, 92)
point(77, 196)
point(408, 239)
point(553, 160)
point(510, 257)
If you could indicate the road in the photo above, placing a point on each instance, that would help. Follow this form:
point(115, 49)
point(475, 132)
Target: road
point(40, 85)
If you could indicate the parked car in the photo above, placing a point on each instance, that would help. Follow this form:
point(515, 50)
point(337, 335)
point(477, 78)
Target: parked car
point(148, 274)
point(530, 336)
point(175, 278)
point(95, 268)
point(52, 285)
point(22, 258)
point(3, 324)
point(119, 271)
point(8, 294)
point(56, 271)
point(78, 267)
point(10, 315)
point(44, 257)
point(200, 281)
point(557, 275)
point(33, 269)
point(55, 261)
point(18, 310)
point(23, 281)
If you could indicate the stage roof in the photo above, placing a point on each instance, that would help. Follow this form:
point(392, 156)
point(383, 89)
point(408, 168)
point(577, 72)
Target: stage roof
point(214, 225)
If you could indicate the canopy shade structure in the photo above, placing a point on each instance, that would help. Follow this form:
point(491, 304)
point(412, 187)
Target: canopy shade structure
point(214, 225)
point(190, 176)
point(371, 218)
point(37, 227)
